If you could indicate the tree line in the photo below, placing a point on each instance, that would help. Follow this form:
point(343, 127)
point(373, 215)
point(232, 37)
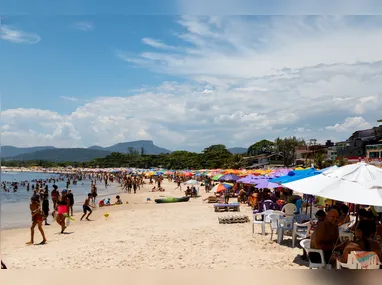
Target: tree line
point(212, 157)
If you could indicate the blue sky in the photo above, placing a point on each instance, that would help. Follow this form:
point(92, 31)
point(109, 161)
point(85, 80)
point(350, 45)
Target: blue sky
point(187, 82)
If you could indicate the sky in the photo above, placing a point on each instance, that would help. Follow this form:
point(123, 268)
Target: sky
point(186, 82)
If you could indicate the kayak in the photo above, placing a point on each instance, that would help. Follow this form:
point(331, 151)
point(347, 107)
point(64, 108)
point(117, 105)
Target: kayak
point(172, 200)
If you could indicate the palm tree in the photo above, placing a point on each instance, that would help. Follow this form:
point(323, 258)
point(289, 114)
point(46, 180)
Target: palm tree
point(379, 121)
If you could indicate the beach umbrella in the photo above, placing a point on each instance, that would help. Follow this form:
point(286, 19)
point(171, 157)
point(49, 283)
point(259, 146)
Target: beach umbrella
point(350, 183)
point(216, 177)
point(264, 183)
point(221, 187)
point(295, 175)
point(261, 182)
point(250, 179)
point(229, 177)
point(191, 182)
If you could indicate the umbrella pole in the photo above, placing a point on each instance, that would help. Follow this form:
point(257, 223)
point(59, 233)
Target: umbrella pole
point(311, 208)
point(356, 208)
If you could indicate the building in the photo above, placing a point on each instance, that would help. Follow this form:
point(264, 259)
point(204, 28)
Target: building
point(374, 153)
point(260, 161)
point(331, 153)
point(355, 146)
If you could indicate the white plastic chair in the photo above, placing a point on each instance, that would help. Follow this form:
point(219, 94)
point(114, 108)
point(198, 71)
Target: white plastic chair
point(300, 218)
point(369, 260)
point(267, 219)
point(305, 244)
point(300, 230)
point(274, 222)
point(343, 236)
point(285, 224)
point(289, 209)
point(260, 219)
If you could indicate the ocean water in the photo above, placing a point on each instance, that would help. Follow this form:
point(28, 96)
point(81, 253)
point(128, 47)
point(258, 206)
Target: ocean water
point(14, 208)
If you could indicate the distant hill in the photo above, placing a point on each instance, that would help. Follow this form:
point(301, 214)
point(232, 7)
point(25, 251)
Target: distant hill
point(63, 154)
point(237, 150)
point(96, 147)
point(51, 153)
point(9, 151)
point(148, 146)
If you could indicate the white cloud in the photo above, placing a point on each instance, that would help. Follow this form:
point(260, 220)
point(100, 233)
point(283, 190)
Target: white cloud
point(242, 80)
point(351, 124)
point(246, 47)
point(156, 43)
point(84, 26)
point(68, 98)
point(13, 35)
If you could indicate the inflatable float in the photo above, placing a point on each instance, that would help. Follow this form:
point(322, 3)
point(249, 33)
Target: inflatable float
point(172, 200)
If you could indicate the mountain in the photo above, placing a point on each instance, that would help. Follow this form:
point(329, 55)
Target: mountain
point(96, 147)
point(237, 150)
point(63, 154)
point(51, 153)
point(9, 151)
point(148, 146)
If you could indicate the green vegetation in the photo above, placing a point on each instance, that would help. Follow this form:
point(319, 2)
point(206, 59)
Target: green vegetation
point(214, 156)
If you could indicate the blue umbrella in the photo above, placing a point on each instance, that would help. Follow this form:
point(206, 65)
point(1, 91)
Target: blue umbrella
point(229, 177)
point(295, 175)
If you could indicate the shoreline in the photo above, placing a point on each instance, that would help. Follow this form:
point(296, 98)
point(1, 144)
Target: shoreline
point(18, 206)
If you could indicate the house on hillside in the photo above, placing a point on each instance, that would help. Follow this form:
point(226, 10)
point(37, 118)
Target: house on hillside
point(355, 146)
point(260, 161)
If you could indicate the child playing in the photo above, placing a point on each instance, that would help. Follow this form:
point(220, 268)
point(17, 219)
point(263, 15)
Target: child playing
point(119, 201)
point(86, 207)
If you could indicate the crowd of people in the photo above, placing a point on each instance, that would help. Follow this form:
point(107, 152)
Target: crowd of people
point(63, 201)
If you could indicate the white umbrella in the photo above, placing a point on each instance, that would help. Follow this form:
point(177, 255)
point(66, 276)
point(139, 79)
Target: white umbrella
point(361, 173)
point(350, 183)
point(191, 182)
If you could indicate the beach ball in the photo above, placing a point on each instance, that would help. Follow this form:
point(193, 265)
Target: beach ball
point(106, 215)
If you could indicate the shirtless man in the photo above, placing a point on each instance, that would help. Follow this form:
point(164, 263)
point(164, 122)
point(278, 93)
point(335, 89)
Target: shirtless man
point(326, 234)
point(86, 207)
point(37, 219)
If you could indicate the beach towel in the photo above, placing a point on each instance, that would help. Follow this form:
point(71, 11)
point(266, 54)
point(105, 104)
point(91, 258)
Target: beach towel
point(363, 258)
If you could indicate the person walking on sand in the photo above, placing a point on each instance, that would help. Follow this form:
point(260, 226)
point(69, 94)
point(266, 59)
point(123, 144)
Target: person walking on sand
point(54, 194)
point(94, 194)
point(37, 218)
point(71, 202)
point(45, 208)
point(179, 184)
point(86, 207)
point(63, 205)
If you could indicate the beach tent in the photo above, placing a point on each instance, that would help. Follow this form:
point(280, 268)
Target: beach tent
point(350, 183)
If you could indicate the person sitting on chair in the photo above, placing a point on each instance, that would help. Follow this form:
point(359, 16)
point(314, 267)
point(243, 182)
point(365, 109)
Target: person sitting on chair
point(325, 236)
point(364, 234)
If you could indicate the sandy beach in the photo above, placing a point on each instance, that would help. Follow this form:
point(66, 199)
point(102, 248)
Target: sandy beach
point(143, 234)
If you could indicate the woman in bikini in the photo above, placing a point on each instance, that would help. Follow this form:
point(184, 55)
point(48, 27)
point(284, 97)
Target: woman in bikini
point(63, 204)
point(37, 219)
